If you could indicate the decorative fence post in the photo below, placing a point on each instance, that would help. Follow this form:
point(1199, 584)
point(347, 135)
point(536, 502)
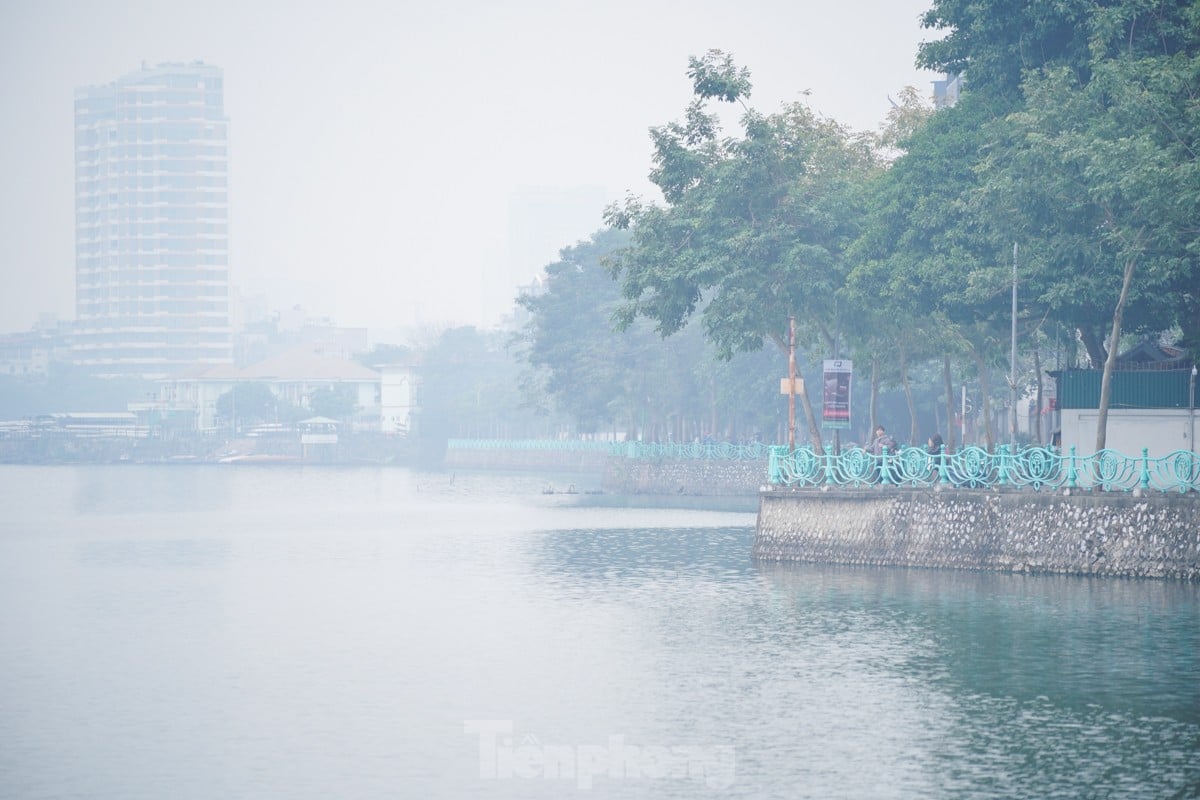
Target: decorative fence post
point(1072, 473)
point(943, 473)
point(773, 474)
point(1145, 483)
point(884, 479)
point(1002, 459)
point(829, 465)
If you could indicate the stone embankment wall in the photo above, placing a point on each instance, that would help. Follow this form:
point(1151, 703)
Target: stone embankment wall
point(531, 459)
point(706, 477)
point(621, 475)
point(1085, 534)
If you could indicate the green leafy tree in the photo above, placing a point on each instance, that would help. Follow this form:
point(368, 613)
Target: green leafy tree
point(66, 387)
point(632, 379)
point(1099, 177)
point(335, 403)
point(382, 354)
point(1076, 136)
point(1126, 199)
point(929, 274)
point(469, 388)
point(755, 228)
point(248, 404)
point(994, 43)
point(570, 334)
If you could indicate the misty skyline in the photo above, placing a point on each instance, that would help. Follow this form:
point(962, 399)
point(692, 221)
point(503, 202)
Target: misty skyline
point(388, 162)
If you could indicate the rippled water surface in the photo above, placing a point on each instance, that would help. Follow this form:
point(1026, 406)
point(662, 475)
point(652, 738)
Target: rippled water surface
point(213, 632)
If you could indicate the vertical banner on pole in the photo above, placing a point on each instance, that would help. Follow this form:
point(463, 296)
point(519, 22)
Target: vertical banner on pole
point(835, 411)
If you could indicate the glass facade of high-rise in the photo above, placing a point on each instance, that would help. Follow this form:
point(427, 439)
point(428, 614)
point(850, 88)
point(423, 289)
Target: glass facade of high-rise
point(152, 222)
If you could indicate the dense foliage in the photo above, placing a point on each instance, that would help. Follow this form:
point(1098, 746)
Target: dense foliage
point(471, 388)
point(1075, 139)
point(632, 381)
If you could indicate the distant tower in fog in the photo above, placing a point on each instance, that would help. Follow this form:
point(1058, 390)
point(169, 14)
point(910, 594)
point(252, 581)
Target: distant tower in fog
point(946, 91)
point(152, 222)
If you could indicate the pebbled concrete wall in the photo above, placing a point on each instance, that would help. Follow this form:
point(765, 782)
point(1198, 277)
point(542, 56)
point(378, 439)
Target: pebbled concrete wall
point(684, 476)
point(621, 475)
point(1086, 534)
point(533, 460)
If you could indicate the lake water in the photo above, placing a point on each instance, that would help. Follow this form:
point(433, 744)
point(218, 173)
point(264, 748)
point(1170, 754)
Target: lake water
point(273, 632)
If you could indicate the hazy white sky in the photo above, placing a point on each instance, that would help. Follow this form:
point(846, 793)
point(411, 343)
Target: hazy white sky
point(389, 159)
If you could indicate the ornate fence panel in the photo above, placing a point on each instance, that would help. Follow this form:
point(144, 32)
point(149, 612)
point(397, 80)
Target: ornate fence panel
point(1036, 468)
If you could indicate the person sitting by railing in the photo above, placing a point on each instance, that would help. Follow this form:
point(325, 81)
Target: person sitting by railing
point(881, 440)
point(935, 444)
point(935, 447)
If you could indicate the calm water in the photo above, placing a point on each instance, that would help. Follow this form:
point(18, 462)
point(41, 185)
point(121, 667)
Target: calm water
point(226, 632)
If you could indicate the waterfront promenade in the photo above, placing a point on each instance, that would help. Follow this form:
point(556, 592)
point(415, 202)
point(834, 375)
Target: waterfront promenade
point(1034, 510)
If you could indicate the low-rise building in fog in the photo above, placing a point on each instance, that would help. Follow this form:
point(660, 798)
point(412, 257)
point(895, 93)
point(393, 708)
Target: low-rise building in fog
point(377, 399)
point(25, 354)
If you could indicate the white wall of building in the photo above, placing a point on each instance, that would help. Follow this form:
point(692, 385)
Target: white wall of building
point(397, 399)
point(1160, 430)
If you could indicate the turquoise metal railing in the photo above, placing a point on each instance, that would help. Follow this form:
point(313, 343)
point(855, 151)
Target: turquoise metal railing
point(1034, 468)
point(755, 451)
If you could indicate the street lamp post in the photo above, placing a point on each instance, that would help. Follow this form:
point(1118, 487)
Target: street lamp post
point(791, 384)
point(1012, 363)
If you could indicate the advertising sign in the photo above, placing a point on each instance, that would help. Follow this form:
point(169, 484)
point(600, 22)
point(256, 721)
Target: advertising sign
point(836, 396)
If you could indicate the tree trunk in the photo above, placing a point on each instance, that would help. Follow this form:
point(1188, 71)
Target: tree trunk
point(814, 429)
point(874, 398)
point(1091, 344)
point(712, 399)
point(1037, 369)
point(1111, 360)
point(985, 392)
point(948, 385)
point(914, 435)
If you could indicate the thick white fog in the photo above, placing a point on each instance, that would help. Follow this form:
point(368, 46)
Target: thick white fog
point(396, 163)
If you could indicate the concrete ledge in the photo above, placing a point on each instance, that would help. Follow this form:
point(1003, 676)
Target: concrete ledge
point(1085, 534)
point(635, 476)
point(716, 477)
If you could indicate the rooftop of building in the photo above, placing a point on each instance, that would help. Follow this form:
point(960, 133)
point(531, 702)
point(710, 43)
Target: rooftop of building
point(148, 72)
point(297, 364)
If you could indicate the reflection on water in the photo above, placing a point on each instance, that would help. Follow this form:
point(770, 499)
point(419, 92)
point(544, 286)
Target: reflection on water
point(137, 489)
point(154, 553)
point(297, 632)
point(1123, 645)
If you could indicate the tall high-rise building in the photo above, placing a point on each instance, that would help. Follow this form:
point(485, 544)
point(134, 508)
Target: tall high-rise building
point(152, 222)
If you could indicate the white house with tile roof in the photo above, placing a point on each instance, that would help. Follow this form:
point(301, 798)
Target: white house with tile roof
point(292, 376)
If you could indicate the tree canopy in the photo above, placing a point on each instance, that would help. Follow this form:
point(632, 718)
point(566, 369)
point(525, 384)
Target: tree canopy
point(1076, 138)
